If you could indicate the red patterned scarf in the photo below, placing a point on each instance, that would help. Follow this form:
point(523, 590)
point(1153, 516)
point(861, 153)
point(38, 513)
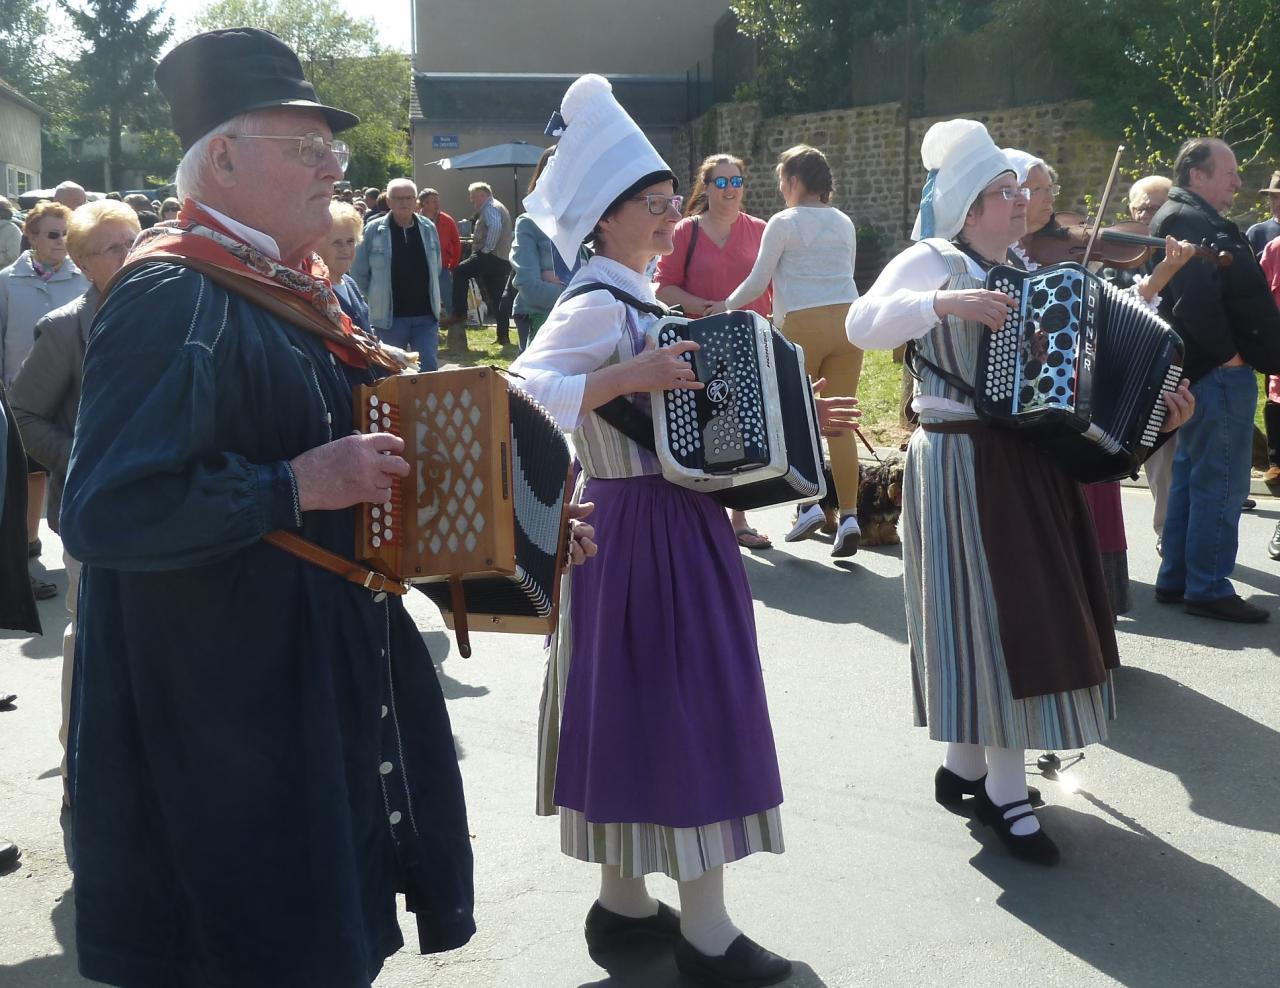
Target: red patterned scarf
point(302, 295)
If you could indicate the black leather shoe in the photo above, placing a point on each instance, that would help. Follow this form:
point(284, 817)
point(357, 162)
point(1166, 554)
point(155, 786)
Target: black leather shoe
point(9, 854)
point(1233, 608)
point(1168, 596)
point(744, 965)
point(1035, 847)
point(1249, 504)
point(1273, 547)
point(605, 929)
point(950, 789)
point(6, 700)
point(42, 590)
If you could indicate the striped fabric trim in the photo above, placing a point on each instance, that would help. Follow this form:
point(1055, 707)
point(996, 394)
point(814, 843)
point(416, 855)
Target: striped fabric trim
point(683, 853)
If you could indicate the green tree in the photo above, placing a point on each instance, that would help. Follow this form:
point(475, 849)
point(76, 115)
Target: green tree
point(25, 62)
point(117, 68)
point(804, 47)
point(342, 58)
point(1215, 69)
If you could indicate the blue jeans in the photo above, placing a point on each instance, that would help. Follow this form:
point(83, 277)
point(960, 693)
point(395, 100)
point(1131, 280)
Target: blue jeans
point(1209, 485)
point(419, 333)
point(446, 286)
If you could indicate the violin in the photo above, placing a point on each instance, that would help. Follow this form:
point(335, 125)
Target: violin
point(1066, 237)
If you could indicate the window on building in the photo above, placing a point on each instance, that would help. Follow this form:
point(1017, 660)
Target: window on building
point(18, 181)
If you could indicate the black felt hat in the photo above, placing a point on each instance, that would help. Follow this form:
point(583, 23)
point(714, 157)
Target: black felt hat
point(218, 75)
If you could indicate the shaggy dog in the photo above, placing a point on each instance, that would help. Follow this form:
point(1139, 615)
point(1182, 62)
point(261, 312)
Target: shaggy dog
point(879, 500)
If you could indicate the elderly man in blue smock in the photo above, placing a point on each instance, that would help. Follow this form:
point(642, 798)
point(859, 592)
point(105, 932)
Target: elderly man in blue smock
point(397, 267)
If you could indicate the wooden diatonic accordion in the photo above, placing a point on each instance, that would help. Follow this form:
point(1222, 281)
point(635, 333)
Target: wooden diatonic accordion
point(750, 435)
point(479, 522)
point(1079, 369)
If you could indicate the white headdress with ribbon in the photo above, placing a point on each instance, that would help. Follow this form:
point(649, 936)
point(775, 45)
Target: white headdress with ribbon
point(601, 154)
point(962, 160)
point(1023, 162)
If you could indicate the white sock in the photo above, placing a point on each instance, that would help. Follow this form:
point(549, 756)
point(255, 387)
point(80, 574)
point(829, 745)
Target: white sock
point(968, 761)
point(1007, 783)
point(625, 896)
point(704, 921)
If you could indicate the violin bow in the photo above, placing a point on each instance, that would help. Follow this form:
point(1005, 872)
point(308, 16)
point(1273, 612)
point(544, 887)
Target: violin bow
point(1102, 207)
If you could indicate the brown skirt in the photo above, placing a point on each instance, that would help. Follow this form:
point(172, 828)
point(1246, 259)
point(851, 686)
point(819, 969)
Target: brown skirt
point(1052, 606)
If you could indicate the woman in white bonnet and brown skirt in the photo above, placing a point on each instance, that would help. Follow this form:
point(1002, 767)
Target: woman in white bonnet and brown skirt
point(1008, 620)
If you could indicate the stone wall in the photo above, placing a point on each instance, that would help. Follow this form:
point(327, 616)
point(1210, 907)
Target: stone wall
point(874, 183)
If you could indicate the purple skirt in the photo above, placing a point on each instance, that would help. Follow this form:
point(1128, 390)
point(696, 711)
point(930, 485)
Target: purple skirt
point(665, 719)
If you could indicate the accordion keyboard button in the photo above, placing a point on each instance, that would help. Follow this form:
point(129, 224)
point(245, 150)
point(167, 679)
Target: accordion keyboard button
point(385, 768)
point(377, 542)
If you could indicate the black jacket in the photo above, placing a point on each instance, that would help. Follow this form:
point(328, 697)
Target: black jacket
point(17, 605)
point(1218, 311)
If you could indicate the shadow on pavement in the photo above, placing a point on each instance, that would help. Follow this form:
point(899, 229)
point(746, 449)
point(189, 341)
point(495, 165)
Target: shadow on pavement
point(1166, 724)
point(1136, 908)
point(1171, 623)
point(836, 594)
point(440, 645)
point(50, 972)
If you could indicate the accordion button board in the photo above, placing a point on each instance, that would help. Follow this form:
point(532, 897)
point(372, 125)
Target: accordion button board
point(749, 436)
point(479, 521)
point(1078, 369)
point(720, 428)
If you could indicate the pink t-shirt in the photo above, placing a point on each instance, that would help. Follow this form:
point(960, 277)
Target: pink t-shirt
point(714, 272)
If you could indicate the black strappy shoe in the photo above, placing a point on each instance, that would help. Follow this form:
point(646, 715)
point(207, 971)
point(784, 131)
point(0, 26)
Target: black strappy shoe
point(1036, 847)
point(950, 789)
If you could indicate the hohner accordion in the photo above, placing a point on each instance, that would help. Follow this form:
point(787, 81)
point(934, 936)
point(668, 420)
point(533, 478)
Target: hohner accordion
point(1080, 369)
point(479, 522)
point(750, 435)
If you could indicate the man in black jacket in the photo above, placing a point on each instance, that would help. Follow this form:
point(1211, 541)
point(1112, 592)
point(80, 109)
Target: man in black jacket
point(1229, 324)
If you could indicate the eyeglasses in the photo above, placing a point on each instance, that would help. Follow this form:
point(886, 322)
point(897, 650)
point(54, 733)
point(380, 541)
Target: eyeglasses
point(658, 203)
point(1051, 191)
point(53, 234)
point(313, 148)
point(721, 182)
point(1008, 194)
point(119, 249)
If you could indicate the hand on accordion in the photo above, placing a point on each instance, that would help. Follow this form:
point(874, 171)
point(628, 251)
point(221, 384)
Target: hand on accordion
point(348, 471)
point(661, 369)
point(582, 544)
point(974, 305)
point(1181, 404)
point(836, 416)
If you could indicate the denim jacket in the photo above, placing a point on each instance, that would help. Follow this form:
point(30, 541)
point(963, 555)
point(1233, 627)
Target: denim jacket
point(532, 253)
point(372, 267)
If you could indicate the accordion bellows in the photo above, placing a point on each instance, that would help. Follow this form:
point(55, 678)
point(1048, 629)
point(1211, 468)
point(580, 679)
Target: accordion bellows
point(1079, 369)
point(478, 523)
point(750, 436)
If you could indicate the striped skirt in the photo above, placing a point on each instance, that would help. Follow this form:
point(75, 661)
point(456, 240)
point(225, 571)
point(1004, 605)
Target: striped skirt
point(960, 681)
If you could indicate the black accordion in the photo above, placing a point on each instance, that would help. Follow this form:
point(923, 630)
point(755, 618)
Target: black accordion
point(1079, 369)
point(750, 436)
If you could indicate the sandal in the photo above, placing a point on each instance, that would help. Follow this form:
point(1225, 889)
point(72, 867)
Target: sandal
point(749, 538)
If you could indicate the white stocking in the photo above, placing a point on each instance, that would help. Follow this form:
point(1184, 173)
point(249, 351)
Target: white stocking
point(704, 921)
point(625, 896)
point(968, 761)
point(1007, 783)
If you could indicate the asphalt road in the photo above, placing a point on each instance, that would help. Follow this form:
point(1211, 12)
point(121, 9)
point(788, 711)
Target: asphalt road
point(1171, 872)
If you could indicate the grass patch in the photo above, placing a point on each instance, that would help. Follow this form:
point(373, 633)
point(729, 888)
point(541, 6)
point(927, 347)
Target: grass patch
point(880, 397)
point(482, 350)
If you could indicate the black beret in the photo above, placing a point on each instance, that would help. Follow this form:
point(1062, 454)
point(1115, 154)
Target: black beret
point(218, 75)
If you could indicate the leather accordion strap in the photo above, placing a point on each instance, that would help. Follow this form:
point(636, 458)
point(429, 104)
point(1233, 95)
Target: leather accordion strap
point(331, 561)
